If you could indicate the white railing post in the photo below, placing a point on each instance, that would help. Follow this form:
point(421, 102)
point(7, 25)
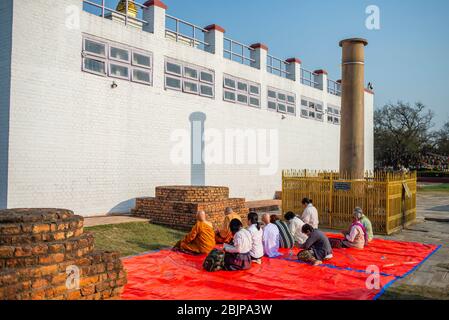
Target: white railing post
point(215, 38)
point(294, 69)
point(154, 15)
point(259, 56)
point(321, 79)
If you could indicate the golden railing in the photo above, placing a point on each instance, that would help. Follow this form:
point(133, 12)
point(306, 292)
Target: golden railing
point(387, 198)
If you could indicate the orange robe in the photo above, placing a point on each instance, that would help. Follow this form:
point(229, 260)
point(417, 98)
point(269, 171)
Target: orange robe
point(200, 240)
point(225, 234)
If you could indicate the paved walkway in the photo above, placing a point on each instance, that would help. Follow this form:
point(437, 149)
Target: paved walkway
point(113, 219)
point(432, 278)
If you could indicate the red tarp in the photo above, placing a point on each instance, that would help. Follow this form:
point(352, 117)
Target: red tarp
point(167, 275)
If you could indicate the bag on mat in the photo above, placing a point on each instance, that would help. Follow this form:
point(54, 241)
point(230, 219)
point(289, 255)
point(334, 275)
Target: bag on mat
point(214, 261)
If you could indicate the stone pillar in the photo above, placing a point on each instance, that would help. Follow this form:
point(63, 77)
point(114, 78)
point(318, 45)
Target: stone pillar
point(154, 14)
point(259, 55)
point(215, 38)
point(321, 79)
point(294, 69)
point(352, 137)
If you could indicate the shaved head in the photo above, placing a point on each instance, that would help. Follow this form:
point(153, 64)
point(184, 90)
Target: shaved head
point(266, 218)
point(201, 216)
point(228, 211)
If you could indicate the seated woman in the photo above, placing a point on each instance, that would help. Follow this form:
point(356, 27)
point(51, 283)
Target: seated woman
point(316, 248)
point(256, 236)
point(286, 238)
point(237, 256)
point(201, 240)
point(224, 235)
point(295, 226)
point(271, 238)
point(366, 223)
point(355, 237)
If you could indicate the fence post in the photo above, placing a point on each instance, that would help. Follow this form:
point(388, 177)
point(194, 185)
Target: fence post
point(154, 15)
point(215, 38)
point(294, 69)
point(259, 56)
point(321, 79)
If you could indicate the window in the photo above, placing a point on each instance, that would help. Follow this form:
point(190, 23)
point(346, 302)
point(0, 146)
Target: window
point(141, 76)
point(241, 91)
point(229, 96)
point(172, 83)
point(333, 114)
point(141, 60)
point(281, 101)
point(254, 90)
point(118, 71)
point(312, 109)
point(117, 61)
point(190, 87)
point(95, 48)
point(94, 65)
point(190, 73)
point(188, 78)
point(119, 54)
point(207, 77)
point(173, 68)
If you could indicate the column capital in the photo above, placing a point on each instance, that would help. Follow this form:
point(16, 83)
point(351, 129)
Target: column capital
point(215, 27)
point(294, 60)
point(259, 46)
point(321, 71)
point(156, 3)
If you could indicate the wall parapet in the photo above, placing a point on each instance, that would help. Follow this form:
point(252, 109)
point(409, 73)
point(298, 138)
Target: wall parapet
point(151, 17)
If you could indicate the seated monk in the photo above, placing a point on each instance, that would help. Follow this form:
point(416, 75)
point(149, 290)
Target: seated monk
point(225, 235)
point(201, 240)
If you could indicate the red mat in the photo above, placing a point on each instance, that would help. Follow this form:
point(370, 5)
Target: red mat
point(167, 275)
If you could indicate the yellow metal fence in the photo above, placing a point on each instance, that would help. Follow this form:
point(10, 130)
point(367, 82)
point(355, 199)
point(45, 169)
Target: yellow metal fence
point(388, 199)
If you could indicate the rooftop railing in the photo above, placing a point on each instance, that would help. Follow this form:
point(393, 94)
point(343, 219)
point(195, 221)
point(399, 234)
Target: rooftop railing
point(185, 32)
point(308, 78)
point(132, 12)
point(334, 87)
point(277, 66)
point(238, 52)
point(100, 8)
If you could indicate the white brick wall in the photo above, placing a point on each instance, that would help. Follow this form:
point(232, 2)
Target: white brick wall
point(78, 144)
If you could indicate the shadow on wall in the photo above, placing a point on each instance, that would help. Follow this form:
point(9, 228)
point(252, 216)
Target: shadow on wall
point(124, 207)
point(197, 165)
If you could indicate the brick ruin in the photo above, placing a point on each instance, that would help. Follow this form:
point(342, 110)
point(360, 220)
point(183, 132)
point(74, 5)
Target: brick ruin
point(43, 250)
point(176, 207)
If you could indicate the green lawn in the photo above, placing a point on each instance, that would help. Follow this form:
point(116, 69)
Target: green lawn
point(443, 187)
point(134, 238)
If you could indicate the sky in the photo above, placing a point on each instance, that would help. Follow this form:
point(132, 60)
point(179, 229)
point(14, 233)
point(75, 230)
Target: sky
point(406, 60)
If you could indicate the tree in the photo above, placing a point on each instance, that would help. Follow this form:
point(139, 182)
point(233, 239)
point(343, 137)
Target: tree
point(442, 140)
point(402, 134)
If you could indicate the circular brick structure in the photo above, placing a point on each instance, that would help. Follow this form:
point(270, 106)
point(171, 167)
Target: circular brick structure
point(45, 254)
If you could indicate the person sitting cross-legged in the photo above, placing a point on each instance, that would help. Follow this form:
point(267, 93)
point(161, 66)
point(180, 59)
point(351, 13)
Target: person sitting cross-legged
point(238, 255)
point(224, 235)
point(316, 248)
point(366, 223)
point(356, 237)
point(201, 239)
